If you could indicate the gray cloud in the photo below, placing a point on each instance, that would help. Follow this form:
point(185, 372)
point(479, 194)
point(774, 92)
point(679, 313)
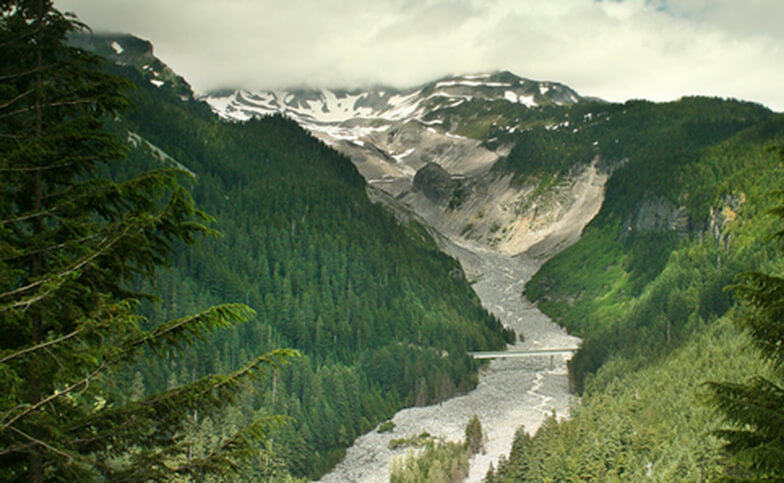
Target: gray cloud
point(616, 49)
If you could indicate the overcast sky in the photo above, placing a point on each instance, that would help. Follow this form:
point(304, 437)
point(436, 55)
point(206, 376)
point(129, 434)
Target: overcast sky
point(617, 50)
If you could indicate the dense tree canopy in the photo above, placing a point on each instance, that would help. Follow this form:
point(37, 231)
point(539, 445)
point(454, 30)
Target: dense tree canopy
point(649, 299)
point(755, 409)
point(71, 245)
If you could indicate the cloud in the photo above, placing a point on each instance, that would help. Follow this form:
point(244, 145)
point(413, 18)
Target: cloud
point(616, 49)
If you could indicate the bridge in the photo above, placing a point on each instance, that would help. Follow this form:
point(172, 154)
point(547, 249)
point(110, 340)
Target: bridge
point(513, 354)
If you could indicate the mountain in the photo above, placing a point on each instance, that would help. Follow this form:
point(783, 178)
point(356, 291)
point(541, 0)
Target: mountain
point(679, 190)
point(383, 318)
point(383, 124)
point(455, 123)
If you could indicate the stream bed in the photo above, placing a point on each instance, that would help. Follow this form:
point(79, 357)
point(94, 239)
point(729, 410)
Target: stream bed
point(510, 393)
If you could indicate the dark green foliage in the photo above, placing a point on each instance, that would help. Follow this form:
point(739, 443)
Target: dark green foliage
point(755, 410)
point(72, 244)
point(474, 435)
point(378, 311)
point(652, 147)
point(644, 291)
point(651, 305)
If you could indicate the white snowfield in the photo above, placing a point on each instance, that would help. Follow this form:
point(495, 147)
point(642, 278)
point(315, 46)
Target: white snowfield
point(323, 106)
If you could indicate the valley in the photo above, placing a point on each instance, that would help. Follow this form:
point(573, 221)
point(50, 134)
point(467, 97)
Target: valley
point(304, 283)
point(507, 188)
point(499, 230)
point(511, 392)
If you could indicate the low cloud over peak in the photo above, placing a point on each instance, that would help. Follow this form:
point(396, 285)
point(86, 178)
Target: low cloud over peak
point(655, 49)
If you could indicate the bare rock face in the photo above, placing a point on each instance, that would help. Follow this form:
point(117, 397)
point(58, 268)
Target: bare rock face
point(659, 214)
point(436, 183)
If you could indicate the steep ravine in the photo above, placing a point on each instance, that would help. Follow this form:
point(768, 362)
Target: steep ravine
point(511, 392)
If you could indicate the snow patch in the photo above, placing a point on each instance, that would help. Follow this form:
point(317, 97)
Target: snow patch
point(454, 136)
point(431, 123)
point(399, 157)
point(527, 100)
point(471, 83)
point(476, 76)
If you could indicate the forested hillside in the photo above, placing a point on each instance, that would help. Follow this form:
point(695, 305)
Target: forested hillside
point(383, 318)
point(646, 288)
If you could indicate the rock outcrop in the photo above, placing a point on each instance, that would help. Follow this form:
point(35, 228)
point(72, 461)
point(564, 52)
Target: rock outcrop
point(436, 183)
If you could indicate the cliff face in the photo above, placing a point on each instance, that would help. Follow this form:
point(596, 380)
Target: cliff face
point(662, 215)
point(658, 214)
point(436, 183)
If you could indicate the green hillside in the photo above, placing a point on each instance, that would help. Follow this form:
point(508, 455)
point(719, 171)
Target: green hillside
point(645, 288)
point(383, 318)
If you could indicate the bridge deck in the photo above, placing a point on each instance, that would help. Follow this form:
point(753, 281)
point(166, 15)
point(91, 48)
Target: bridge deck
point(511, 354)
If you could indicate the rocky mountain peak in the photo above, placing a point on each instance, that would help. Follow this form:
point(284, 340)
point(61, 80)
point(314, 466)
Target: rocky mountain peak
point(129, 50)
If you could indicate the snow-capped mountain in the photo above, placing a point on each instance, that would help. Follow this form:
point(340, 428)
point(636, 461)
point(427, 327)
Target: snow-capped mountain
point(322, 106)
point(432, 148)
point(391, 133)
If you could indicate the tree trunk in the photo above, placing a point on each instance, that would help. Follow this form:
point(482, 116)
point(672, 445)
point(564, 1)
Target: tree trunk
point(35, 461)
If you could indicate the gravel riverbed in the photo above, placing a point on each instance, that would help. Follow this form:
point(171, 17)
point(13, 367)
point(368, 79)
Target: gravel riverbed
point(510, 393)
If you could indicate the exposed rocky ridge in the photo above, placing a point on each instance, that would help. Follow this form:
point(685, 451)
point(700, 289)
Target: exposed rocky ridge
point(435, 183)
point(125, 49)
point(658, 214)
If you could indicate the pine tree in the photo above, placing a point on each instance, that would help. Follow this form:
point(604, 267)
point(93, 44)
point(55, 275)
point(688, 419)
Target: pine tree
point(71, 245)
point(755, 409)
point(474, 436)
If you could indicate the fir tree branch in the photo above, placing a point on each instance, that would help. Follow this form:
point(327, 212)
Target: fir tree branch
point(38, 442)
point(41, 346)
point(34, 169)
point(17, 98)
point(36, 406)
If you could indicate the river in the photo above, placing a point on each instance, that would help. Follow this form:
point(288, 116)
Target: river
point(510, 393)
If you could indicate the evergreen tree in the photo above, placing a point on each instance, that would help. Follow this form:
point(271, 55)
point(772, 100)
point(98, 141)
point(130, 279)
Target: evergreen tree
point(756, 409)
point(72, 244)
point(474, 435)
